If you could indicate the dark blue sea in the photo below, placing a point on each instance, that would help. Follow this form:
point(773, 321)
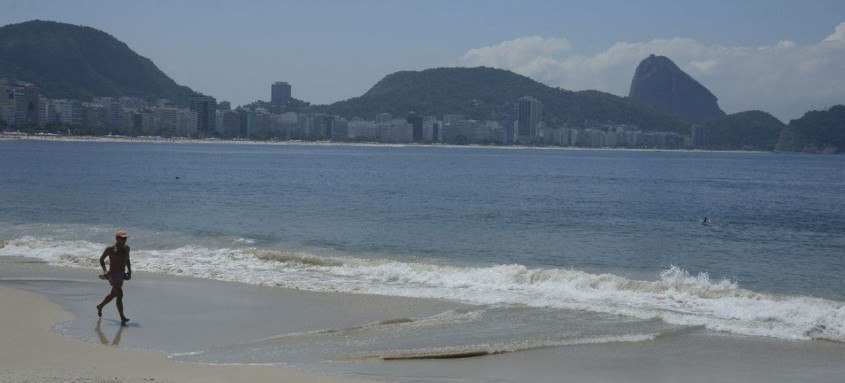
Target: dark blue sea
point(594, 235)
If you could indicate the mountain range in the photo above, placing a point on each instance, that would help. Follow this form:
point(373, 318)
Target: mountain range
point(77, 62)
point(492, 94)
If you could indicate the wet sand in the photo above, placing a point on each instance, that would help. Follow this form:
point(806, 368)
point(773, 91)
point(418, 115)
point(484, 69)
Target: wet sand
point(32, 352)
point(172, 314)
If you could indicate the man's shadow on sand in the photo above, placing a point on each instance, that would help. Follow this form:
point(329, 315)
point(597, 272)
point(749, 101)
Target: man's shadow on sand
point(116, 341)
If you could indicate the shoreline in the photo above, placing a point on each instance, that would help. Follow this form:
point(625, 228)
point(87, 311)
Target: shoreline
point(40, 354)
point(52, 331)
point(57, 336)
point(185, 140)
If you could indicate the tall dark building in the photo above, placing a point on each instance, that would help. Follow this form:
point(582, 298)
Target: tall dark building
point(206, 109)
point(416, 121)
point(279, 93)
point(33, 112)
point(114, 116)
point(26, 105)
point(530, 113)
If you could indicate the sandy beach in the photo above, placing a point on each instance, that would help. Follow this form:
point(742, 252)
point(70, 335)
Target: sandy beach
point(187, 140)
point(53, 335)
point(37, 348)
point(33, 352)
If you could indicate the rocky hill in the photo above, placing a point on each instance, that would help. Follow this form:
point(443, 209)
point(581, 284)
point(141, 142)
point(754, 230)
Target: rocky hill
point(659, 82)
point(492, 94)
point(753, 129)
point(69, 61)
point(818, 131)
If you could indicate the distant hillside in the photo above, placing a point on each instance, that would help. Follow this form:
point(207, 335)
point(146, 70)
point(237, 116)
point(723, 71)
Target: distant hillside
point(293, 105)
point(818, 131)
point(69, 61)
point(659, 82)
point(492, 94)
point(745, 130)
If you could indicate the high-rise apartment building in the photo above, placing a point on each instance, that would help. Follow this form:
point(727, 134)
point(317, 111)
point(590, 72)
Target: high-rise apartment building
point(7, 104)
point(69, 112)
point(228, 123)
point(279, 93)
point(113, 119)
point(529, 115)
point(383, 117)
point(26, 105)
point(206, 109)
point(416, 122)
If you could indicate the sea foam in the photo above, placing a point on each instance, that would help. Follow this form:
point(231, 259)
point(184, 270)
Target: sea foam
point(676, 296)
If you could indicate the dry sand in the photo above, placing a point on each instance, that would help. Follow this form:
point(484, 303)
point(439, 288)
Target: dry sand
point(30, 351)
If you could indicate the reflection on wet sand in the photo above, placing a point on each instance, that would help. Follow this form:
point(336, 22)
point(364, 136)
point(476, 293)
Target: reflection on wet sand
point(104, 339)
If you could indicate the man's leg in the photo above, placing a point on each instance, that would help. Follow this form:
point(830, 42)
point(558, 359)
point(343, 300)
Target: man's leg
point(119, 296)
point(105, 301)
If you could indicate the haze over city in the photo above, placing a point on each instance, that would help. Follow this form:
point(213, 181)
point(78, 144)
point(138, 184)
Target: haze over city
point(779, 56)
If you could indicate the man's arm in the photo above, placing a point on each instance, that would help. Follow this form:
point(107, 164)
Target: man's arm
point(128, 265)
point(103, 260)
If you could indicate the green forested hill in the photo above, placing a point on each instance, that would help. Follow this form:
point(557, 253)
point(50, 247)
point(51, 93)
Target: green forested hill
point(69, 61)
point(816, 131)
point(492, 94)
point(753, 129)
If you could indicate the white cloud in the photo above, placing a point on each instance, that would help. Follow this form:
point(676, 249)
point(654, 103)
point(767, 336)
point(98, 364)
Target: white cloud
point(535, 55)
point(705, 67)
point(838, 34)
point(785, 45)
point(521, 51)
point(785, 79)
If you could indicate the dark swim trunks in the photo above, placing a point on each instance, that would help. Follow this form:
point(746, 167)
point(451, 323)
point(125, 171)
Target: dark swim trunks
point(116, 279)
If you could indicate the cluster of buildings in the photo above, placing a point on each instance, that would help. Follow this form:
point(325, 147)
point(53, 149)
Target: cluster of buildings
point(22, 105)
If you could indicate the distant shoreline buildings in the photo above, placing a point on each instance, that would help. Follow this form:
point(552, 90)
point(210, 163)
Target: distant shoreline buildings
point(22, 107)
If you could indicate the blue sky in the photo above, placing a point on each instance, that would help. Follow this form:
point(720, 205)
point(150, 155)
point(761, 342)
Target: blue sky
point(783, 57)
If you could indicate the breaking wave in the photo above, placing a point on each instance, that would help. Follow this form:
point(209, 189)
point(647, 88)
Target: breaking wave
point(676, 296)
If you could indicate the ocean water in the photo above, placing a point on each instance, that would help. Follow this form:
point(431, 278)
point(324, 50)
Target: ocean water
point(611, 243)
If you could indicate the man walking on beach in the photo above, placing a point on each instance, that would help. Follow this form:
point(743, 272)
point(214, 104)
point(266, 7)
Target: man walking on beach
point(118, 255)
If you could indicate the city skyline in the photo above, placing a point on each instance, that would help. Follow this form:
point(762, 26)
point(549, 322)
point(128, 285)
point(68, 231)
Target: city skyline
point(782, 57)
point(205, 118)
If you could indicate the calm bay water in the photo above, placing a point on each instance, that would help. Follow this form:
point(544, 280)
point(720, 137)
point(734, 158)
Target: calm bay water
point(607, 232)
